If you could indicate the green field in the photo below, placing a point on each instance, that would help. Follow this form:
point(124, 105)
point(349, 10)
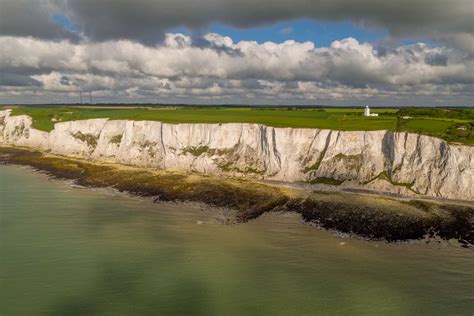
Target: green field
point(455, 126)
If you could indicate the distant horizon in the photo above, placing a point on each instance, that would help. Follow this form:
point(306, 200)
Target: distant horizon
point(236, 105)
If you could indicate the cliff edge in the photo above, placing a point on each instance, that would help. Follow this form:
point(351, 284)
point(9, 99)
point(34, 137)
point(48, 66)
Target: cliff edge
point(383, 161)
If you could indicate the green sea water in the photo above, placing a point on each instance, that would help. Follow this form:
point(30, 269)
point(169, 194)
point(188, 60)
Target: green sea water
point(72, 251)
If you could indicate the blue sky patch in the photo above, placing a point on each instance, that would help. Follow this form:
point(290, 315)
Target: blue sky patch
point(65, 22)
point(321, 33)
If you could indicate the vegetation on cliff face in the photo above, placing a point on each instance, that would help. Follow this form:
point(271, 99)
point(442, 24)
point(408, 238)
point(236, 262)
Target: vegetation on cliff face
point(315, 166)
point(385, 176)
point(325, 180)
point(116, 139)
point(369, 217)
point(89, 139)
point(19, 130)
point(199, 150)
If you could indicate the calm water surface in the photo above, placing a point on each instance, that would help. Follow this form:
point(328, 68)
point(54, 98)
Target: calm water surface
point(68, 251)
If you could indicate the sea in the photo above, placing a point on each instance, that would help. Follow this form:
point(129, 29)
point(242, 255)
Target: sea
point(66, 250)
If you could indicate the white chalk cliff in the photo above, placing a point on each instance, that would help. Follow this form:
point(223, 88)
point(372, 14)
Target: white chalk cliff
point(403, 163)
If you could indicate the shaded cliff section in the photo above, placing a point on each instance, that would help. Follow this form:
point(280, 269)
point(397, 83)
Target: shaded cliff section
point(381, 161)
point(373, 218)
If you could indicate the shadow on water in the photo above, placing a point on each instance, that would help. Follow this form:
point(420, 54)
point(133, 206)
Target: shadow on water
point(141, 265)
point(95, 306)
point(117, 291)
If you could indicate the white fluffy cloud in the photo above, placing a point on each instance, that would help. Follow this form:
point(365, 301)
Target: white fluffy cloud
point(230, 72)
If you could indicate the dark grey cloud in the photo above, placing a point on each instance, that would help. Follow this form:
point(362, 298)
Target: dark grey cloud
point(18, 80)
point(65, 81)
point(436, 59)
point(104, 19)
point(32, 18)
point(147, 20)
point(201, 41)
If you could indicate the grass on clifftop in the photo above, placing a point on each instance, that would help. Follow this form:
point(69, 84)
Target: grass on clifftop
point(453, 125)
point(341, 119)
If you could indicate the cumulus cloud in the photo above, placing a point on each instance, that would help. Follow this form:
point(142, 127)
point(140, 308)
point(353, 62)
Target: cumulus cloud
point(232, 72)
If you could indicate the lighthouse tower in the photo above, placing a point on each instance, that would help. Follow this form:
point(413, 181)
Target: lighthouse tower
point(367, 111)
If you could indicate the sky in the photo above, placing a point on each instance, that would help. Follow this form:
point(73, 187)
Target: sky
point(266, 52)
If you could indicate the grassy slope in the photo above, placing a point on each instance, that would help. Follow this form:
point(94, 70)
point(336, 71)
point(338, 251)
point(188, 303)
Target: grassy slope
point(338, 119)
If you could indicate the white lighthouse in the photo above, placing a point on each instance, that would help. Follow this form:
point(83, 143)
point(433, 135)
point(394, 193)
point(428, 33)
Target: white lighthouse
point(367, 112)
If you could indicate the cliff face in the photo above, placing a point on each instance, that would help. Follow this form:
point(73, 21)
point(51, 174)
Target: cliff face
point(380, 160)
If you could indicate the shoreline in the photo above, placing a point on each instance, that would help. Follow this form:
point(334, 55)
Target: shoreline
point(223, 215)
point(364, 216)
point(226, 216)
